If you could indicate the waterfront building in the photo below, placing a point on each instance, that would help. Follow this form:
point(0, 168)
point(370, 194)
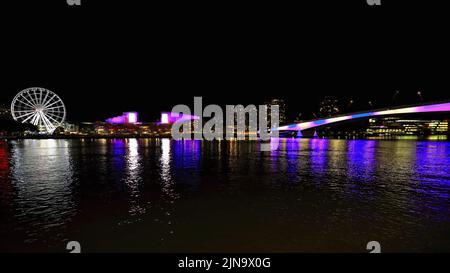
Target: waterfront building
point(392, 126)
point(70, 128)
point(141, 129)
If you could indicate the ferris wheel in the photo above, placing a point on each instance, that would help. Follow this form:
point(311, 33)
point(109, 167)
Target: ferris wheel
point(40, 107)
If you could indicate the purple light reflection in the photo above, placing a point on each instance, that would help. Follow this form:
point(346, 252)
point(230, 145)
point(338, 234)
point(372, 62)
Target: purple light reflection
point(361, 158)
point(319, 155)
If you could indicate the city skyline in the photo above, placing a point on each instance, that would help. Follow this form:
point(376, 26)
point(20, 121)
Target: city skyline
point(45, 110)
point(346, 103)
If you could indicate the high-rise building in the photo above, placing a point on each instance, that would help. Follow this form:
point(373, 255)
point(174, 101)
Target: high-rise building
point(328, 107)
point(282, 110)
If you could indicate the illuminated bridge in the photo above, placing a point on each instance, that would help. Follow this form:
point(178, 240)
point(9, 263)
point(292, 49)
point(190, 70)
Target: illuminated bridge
point(429, 108)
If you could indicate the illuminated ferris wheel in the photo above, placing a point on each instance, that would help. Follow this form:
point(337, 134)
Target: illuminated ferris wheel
point(40, 107)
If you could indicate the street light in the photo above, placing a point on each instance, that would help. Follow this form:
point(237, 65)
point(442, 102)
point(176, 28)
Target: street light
point(420, 95)
point(350, 103)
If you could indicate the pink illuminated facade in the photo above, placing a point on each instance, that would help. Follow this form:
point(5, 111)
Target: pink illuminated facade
point(170, 118)
point(125, 118)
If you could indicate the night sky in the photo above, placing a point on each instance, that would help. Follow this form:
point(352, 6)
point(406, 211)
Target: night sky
point(108, 57)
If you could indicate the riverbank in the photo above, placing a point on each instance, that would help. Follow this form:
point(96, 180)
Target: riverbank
point(82, 137)
point(431, 138)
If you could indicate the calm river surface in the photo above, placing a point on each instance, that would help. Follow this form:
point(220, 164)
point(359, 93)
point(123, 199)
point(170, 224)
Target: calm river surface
point(159, 195)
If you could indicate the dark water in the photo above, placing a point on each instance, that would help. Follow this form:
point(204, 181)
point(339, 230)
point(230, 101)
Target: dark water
point(158, 195)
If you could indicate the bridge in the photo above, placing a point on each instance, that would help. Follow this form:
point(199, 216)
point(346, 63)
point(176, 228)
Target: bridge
point(416, 109)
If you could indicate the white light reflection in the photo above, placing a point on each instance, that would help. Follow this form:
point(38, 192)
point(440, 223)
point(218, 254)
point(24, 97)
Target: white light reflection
point(167, 184)
point(165, 165)
point(42, 175)
point(133, 178)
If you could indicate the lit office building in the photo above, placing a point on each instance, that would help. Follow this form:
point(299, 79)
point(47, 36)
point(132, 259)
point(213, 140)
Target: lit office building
point(392, 126)
point(282, 110)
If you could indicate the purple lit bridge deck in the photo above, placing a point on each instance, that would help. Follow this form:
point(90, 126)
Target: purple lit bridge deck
point(430, 108)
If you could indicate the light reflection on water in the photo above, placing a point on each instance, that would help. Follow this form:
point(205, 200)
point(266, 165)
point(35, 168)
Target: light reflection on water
point(41, 178)
point(134, 177)
point(164, 195)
